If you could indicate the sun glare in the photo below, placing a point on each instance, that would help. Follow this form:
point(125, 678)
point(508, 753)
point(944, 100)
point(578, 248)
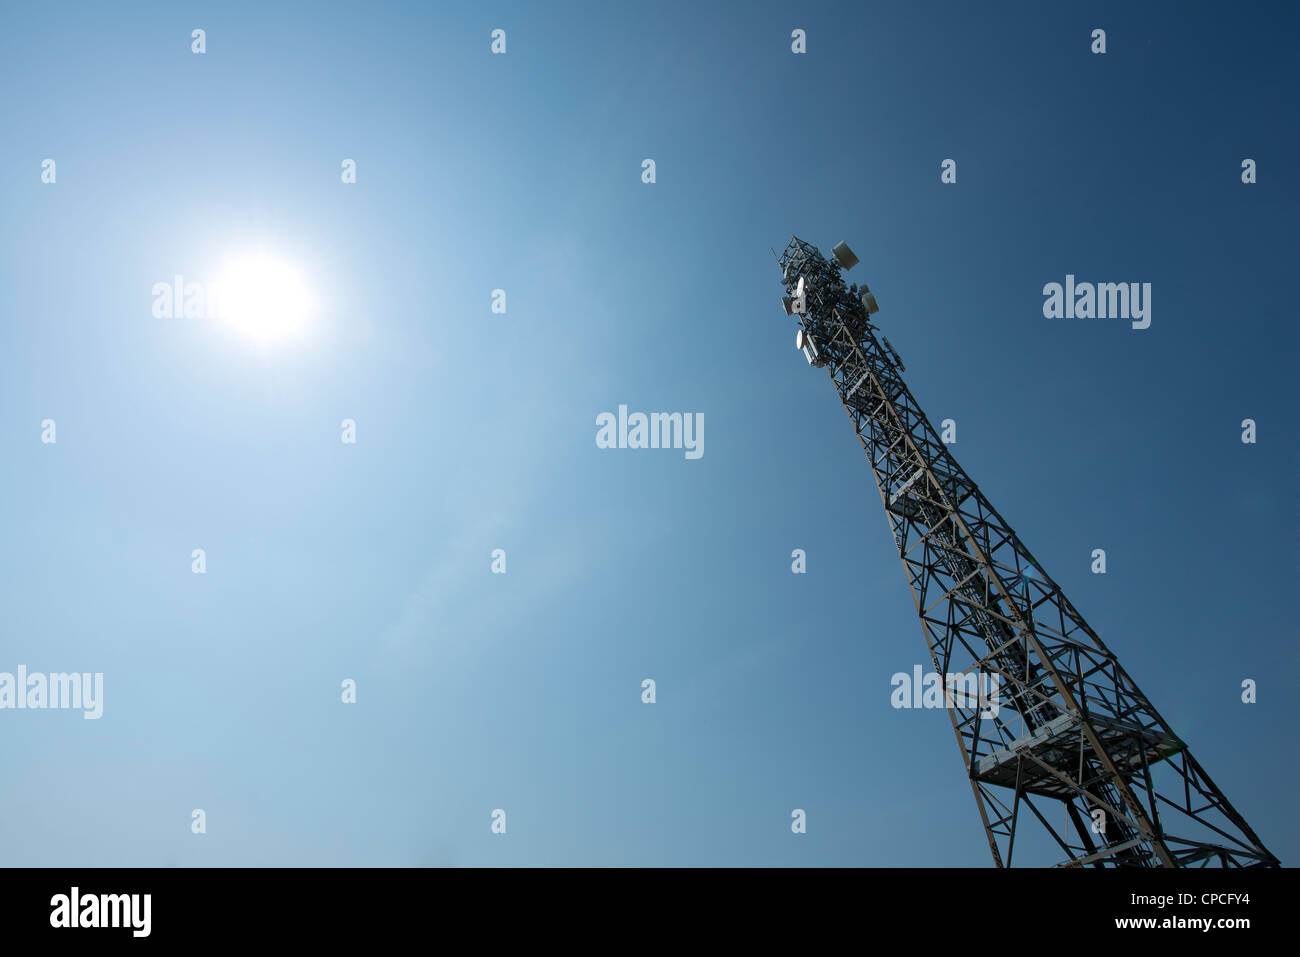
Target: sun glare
point(264, 299)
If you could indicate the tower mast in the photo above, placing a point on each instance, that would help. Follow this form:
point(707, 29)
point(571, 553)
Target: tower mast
point(1065, 723)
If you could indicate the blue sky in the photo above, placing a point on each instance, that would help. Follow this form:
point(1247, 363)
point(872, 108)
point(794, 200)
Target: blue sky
point(476, 431)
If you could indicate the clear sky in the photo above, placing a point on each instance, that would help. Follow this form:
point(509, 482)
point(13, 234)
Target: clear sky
point(476, 431)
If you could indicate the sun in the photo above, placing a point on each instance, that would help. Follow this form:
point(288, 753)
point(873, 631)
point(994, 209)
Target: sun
point(264, 299)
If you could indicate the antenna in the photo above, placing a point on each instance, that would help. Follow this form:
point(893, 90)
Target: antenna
point(894, 352)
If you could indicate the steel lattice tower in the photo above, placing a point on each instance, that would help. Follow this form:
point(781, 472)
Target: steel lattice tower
point(1071, 726)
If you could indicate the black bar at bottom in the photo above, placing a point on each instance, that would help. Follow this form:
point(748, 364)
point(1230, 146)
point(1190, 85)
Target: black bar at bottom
point(334, 906)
